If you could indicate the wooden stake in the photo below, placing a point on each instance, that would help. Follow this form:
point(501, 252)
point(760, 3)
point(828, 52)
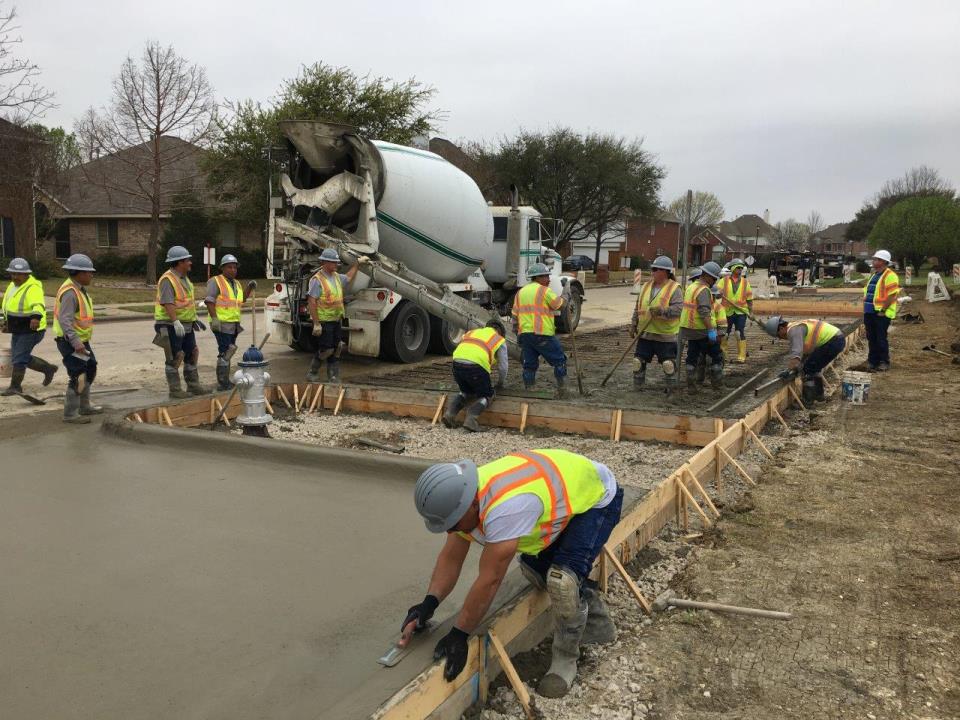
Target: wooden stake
point(618, 414)
point(213, 412)
point(524, 409)
point(283, 396)
point(796, 397)
point(136, 416)
point(483, 692)
point(777, 415)
point(631, 585)
point(756, 438)
point(165, 416)
point(743, 473)
point(317, 398)
point(226, 420)
point(267, 405)
point(693, 502)
point(511, 672)
point(296, 397)
point(717, 467)
point(304, 404)
point(440, 403)
point(336, 410)
point(683, 505)
point(604, 571)
point(699, 487)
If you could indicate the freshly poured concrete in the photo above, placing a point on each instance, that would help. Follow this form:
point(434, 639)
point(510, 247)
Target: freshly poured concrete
point(140, 582)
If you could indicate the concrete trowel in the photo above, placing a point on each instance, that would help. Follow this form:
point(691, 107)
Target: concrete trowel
point(404, 644)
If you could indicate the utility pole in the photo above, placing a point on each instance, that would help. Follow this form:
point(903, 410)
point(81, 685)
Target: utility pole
point(686, 234)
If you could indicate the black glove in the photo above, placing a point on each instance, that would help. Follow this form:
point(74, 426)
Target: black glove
point(421, 613)
point(787, 374)
point(197, 325)
point(453, 647)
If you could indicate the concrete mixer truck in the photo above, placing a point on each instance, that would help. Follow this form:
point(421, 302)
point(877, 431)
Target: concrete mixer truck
point(442, 259)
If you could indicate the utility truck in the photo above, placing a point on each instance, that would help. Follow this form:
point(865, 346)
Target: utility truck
point(442, 260)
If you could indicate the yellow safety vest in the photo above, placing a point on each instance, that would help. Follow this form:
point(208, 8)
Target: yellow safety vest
point(818, 333)
point(737, 298)
point(532, 308)
point(479, 346)
point(887, 285)
point(719, 313)
point(566, 483)
point(82, 319)
point(657, 325)
point(330, 302)
point(229, 300)
point(25, 300)
point(690, 318)
point(183, 304)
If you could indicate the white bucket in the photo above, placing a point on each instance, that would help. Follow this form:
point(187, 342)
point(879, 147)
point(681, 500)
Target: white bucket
point(6, 368)
point(855, 386)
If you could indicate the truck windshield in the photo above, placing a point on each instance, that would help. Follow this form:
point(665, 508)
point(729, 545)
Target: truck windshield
point(533, 230)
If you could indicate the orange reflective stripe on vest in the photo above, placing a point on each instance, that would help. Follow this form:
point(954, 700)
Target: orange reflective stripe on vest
point(82, 319)
point(818, 333)
point(225, 298)
point(479, 347)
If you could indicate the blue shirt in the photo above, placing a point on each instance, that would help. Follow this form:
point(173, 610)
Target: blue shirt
point(871, 290)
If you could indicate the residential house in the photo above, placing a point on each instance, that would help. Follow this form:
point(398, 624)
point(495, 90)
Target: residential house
point(832, 241)
point(17, 169)
point(612, 244)
point(648, 238)
point(750, 230)
point(727, 249)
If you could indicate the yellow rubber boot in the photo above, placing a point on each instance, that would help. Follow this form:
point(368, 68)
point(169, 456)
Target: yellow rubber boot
point(723, 344)
point(741, 351)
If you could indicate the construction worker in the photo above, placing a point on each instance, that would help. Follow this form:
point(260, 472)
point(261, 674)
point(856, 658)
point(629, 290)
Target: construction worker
point(699, 328)
point(25, 318)
point(72, 329)
point(738, 298)
point(556, 509)
point(175, 319)
point(224, 303)
point(325, 305)
point(656, 317)
point(879, 308)
point(473, 360)
point(534, 307)
point(813, 345)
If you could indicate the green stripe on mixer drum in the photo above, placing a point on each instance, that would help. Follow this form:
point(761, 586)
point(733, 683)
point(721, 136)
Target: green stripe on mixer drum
point(413, 234)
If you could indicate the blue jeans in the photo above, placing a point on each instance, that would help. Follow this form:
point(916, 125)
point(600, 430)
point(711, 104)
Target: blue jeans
point(581, 541)
point(823, 355)
point(702, 346)
point(878, 347)
point(75, 366)
point(187, 344)
point(532, 347)
point(224, 341)
point(330, 338)
point(21, 347)
point(648, 349)
point(738, 323)
point(472, 380)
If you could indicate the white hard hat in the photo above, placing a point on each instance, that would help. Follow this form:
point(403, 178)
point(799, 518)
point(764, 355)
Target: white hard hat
point(444, 493)
point(79, 262)
point(883, 255)
point(177, 253)
point(19, 266)
point(227, 259)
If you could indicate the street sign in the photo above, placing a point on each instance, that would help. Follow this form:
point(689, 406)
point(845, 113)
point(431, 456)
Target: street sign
point(209, 255)
point(750, 261)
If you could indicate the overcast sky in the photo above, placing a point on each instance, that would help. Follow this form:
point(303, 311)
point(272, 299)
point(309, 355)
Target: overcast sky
point(791, 106)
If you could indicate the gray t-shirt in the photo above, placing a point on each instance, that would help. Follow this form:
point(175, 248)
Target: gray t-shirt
point(213, 291)
point(169, 297)
point(796, 336)
point(314, 289)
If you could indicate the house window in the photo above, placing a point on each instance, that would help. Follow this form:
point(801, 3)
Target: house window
point(228, 235)
point(107, 236)
point(8, 247)
point(653, 230)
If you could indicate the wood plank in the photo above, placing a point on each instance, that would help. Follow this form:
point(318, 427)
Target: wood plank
point(625, 576)
point(440, 403)
point(317, 398)
point(510, 671)
point(524, 409)
point(336, 409)
point(692, 501)
point(738, 467)
point(699, 487)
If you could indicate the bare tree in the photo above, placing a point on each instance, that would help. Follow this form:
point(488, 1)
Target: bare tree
point(815, 222)
point(706, 210)
point(21, 95)
point(790, 235)
point(160, 97)
point(921, 180)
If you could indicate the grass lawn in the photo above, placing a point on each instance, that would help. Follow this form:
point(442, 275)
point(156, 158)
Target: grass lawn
point(113, 290)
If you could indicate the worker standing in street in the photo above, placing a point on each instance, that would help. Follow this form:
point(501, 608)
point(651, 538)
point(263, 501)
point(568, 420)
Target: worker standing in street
point(699, 328)
point(473, 360)
point(326, 309)
point(175, 320)
point(25, 318)
point(656, 317)
point(556, 509)
point(738, 297)
point(224, 303)
point(73, 329)
point(534, 308)
point(813, 345)
point(879, 308)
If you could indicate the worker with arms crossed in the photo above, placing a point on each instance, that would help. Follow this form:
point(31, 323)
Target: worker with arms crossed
point(224, 303)
point(879, 308)
point(738, 297)
point(699, 327)
point(474, 357)
point(555, 508)
point(325, 305)
point(175, 320)
point(73, 329)
point(534, 307)
point(813, 345)
point(656, 317)
point(25, 318)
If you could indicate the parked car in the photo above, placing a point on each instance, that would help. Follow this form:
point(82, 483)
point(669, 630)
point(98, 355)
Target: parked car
point(578, 262)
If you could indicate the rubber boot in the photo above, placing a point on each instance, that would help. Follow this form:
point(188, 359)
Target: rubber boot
point(223, 375)
point(820, 394)
point(561, 388)
point(809, 390)
point(86, 407)
point(191, 376)
point(333, 372)
point(175, 389)
point(716, 376)
point(449, 418)
point(702, 370)
point(473, 412)
point(669, 368)
point(639, 374)
point(71, 408)
point(691, 378)
point(569, 613)
point(723, 344)
point(42, 366)
point(741, 351)
point(314, 374)
point(16, 382)
point(600, 629)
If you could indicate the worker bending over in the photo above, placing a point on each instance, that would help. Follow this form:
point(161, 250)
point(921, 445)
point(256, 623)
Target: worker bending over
point(879, 308)
point(175, 319)
point(25, 318)
point(656, 318)
point(738, 298)
point(534, 307)
point(699, 327)
point(325, 305)
point(813, 345)
point(473, 360)
point(73, 329)
point(556, 509)
point(224, 303)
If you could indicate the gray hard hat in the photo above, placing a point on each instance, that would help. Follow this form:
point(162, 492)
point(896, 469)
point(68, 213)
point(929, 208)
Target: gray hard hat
point(227, 259)
point(715, 291)
point(662, 263)
point(79, 262)
point(329, 255)
point(537, 270)
point(695, 273)
point(444, 492)
point(737, 262)
point(770, 326)
point(19, 265)
point(711, 269)
point(177, 253)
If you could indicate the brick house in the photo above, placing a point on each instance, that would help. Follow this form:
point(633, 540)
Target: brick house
point(751, 230)
point(18, 149)
point(832, 240)
point(647, 238)
point(101, 207)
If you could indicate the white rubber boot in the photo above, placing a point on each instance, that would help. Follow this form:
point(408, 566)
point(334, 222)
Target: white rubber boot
point(600, 629)
point(569, 611)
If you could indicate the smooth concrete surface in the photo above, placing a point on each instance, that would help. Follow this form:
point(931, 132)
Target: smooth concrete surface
point(145, 582)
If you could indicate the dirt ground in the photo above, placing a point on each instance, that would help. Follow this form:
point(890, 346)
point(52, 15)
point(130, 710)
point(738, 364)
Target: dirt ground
point(851, 529)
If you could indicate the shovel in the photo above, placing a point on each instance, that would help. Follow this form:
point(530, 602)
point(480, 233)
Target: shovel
point(627, 351)
point(576, 355)
point(933, 349)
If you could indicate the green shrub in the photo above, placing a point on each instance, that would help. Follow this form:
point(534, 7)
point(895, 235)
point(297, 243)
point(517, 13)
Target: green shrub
point(44, 268)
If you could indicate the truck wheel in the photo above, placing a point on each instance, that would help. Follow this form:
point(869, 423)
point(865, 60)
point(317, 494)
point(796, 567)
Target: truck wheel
point(303, 339)
point(444, 336)
point(405, 334)
point(575, 307)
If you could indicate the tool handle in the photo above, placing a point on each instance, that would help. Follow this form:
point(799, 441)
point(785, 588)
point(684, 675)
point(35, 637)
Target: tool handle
point(734, 609)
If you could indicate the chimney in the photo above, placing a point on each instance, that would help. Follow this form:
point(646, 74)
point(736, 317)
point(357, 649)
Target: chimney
point(766, 216)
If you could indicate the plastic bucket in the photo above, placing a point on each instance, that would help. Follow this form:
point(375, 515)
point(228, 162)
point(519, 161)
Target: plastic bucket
point(855, 386)
point(6, 368)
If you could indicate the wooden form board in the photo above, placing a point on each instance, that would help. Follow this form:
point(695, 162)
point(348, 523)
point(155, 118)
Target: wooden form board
point(801, 309)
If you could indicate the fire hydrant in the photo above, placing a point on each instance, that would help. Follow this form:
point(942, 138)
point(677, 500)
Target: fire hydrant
point(251, 379)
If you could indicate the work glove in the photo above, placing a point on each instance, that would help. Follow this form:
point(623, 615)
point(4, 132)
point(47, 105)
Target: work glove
point(633, 329)
point(317, 329)
point(179, 329)
point(79, 347)
point(215, 324)
point(421, 613)
point(453, 647)
point(198, 325)
point(363, 260)
point(786, 374)
point(712, 335)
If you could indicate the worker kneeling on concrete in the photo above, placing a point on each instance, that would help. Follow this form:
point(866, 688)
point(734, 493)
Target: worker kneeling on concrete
point(224, 302)
point(555, 508)
point(813, 344)
point(175, 320)
point(473, 361)
point(325, 305)
point(25, 318)
point(534, 307)
point(73, 329)
point(699, 327)
point(657, 318)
